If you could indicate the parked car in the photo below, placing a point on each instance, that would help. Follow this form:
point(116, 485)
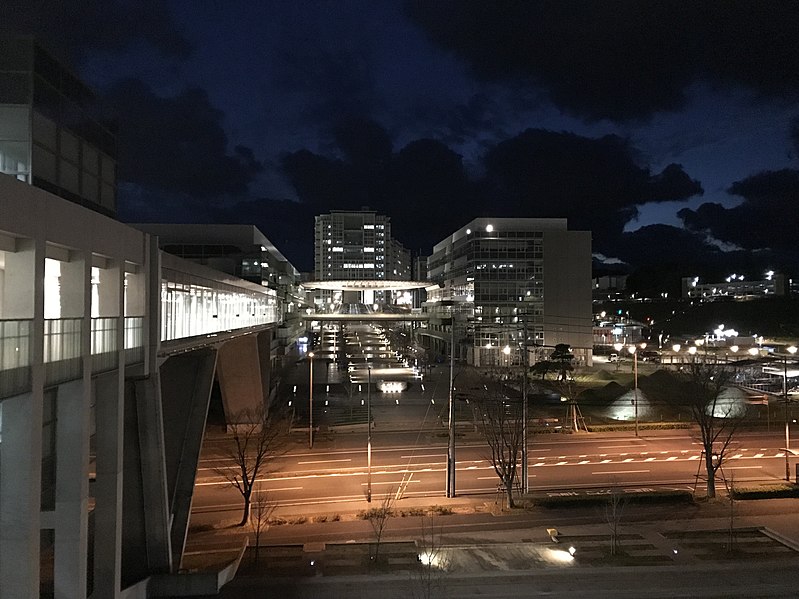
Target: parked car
point(613, 358)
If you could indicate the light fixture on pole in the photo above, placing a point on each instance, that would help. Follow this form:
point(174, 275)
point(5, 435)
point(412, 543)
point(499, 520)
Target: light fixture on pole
point(368, 432)
point(618, 347)
point(792, 351)
point(310, 401)
point(633, 350)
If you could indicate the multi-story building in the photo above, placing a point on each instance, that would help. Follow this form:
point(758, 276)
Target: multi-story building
point(245, 252)
point(505, 276)
point(50, 135)
point(357, 246)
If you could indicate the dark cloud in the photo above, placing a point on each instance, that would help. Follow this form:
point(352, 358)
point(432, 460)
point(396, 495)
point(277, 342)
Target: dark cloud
point(767, 218)
point(72, 28)
point(595, 183)
point(625, 59)
point(176, 144)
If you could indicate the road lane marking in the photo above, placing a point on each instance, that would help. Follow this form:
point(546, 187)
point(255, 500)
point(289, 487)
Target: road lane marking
point(428, 455)
point(615, 447)
point(325, 461)
point(743, 467)
point(758, 455)
point(622, 472)
point(671, 459)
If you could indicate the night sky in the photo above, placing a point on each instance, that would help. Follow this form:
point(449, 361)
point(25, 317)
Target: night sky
point(668, 129)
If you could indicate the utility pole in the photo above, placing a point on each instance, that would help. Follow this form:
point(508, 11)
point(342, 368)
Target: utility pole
point(451, 446)
point(369, 433)
point(525, 478)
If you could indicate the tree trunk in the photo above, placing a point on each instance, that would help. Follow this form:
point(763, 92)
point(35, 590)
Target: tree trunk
point(711, 476)
point(509, 492)
point(245, 517)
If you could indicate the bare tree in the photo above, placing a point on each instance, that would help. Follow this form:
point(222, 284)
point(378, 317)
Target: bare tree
point(718, 420)
point(432, 559)
point(254, 439)
point(261, 510)
point(378, 518)
point(612, 512)
point(501, 421)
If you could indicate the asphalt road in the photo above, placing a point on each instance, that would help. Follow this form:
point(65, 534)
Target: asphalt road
point(412, 464)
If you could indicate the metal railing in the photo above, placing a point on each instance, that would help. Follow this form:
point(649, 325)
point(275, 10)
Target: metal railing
point(16, 356)
point(62, 350)
point(105, 352)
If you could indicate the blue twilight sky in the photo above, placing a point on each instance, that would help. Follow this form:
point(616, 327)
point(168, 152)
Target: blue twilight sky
point(622, 116)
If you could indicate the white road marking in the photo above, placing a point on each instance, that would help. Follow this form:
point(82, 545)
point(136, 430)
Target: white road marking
point(621, 472)
point(325, 461)
point(758, 455)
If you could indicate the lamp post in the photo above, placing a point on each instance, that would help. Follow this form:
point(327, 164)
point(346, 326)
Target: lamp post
point(632, 349)
point(618, 347)
point(792, 351)
point(310, 401)
point(368, 433)
point(450, 486)
point(676, 349)
point(525, 477)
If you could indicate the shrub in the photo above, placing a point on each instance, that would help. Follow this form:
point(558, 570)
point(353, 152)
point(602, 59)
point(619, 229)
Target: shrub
point(772, 492)
point(320, 518)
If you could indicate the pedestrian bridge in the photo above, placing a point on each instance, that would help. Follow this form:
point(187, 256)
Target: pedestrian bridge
point(109, 351)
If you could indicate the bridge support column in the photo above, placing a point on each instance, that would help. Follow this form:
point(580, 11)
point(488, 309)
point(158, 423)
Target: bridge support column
point(72, 488)
point(146, 528)
point(186, 382)
point(20, 497)
point(243, 373)
point(109, 414)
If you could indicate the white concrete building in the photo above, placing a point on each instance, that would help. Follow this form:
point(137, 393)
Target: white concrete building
point(505, 276)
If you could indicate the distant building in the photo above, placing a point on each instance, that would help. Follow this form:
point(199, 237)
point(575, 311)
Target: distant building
point(50, 136)
point(735, 287)
point(357, 246)
point(501, 276)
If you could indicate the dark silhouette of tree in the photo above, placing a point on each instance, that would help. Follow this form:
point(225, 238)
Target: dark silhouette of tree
point(501, 422)
point(254, 439)
point(717, 420)
point(542, 367)
point(562, 358)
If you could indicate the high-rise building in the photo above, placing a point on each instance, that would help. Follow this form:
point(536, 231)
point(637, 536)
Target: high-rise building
point(357, 246)
point(50, 134)
point(504, 276)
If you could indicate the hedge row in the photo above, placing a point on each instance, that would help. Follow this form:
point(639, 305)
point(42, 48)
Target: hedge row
point(672, 496)
point(773, 492)
point(644, 426)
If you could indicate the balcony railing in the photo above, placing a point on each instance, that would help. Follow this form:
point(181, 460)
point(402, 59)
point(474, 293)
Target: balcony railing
point(62, 350)
point(16, 355)
point(105, 354)
point(134, 339)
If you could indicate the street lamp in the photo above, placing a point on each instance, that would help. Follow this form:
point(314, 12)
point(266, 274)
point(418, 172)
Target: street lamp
point(310, 401)
point(617, 347)
point(450, 486)
point(676, 349)
point(792, 351)
point(632, 350)
point(368, 432)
